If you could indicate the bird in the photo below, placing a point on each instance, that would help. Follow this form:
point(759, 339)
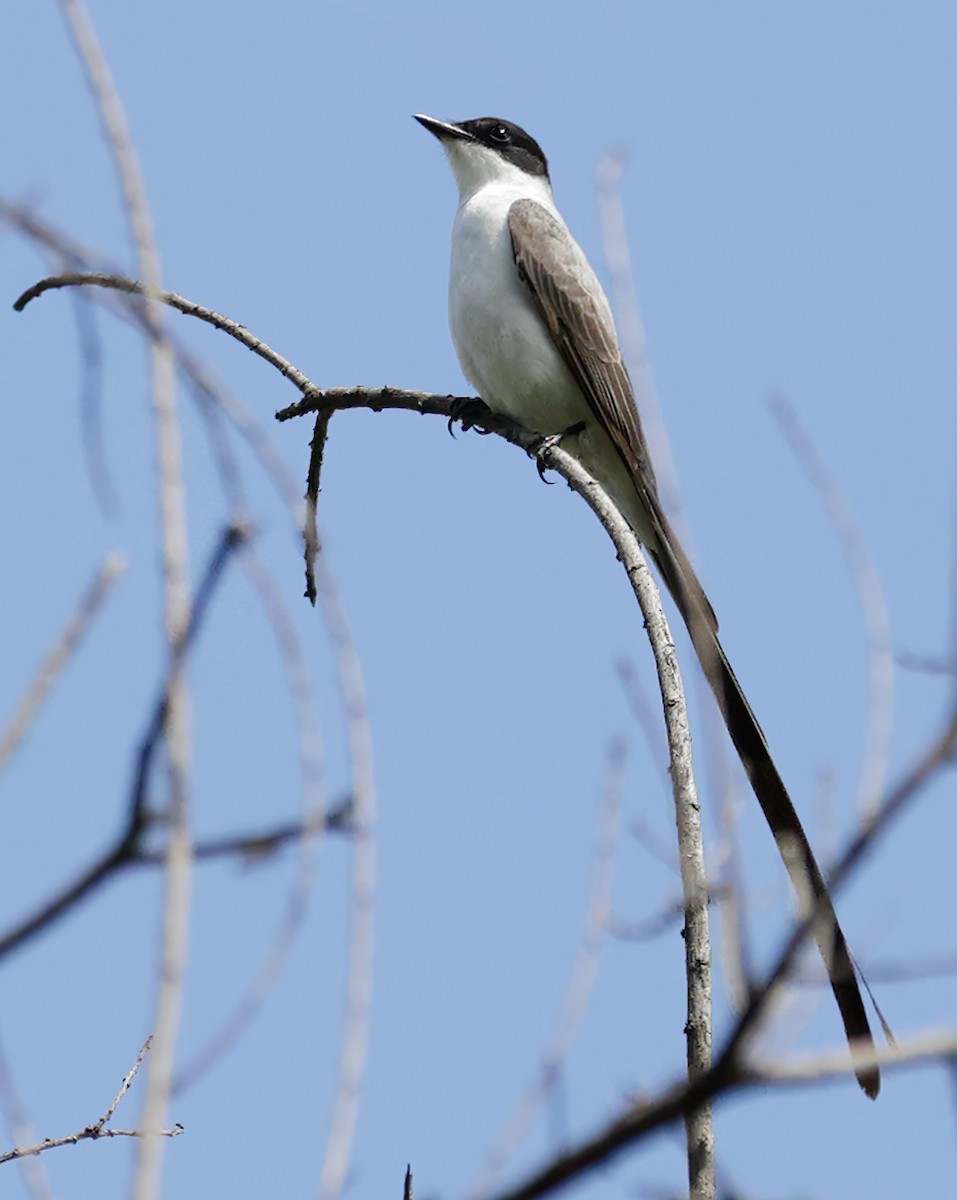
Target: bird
point(535, 335)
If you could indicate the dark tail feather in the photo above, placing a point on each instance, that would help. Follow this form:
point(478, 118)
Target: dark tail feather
point(776, 804)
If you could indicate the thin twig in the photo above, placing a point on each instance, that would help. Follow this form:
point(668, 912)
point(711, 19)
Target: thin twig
point(172, 300)
point(310, 529)
point(128, 306)
point(124, 1087)
point(58, 656)
point(98, 1129)
point(84, 1135)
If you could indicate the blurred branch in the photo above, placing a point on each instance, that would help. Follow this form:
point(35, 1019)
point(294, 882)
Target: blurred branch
point(98, 1129)
point(257, 847)
point(32, 1170)
point(870, 595)
point(650, 928)
point(925, 1047)
point(127, 847)
point(644, 1119)
point(59, 655)
point(172, 503)
point(890, 971)
point(123, 853)
point(130, 308)
point(580, 984)
point(729, 1072)
point(926, 664)
point(358, 999)
point(315, 819)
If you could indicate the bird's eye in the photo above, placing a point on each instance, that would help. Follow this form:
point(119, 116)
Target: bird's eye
point(500, 134)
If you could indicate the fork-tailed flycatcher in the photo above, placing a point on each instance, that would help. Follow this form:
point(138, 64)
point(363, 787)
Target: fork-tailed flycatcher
point(535, 336)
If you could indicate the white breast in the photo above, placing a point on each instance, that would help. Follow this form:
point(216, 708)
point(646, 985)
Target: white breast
point(499, 337)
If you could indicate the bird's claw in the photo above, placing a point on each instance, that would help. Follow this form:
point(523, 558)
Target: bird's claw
point(547, 442)
point(469, 411)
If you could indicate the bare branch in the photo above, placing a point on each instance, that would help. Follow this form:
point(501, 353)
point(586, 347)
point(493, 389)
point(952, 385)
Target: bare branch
point(124, 1087)
point(59, 655)
point(98, 1129)
point(310, 531)
point(699, 1123)
point(84, 1135)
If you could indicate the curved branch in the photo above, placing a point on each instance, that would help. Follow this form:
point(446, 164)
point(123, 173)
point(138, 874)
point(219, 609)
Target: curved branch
point(120, 283)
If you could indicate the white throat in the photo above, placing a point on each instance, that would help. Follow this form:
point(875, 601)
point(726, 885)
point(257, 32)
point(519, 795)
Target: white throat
point(476, 167)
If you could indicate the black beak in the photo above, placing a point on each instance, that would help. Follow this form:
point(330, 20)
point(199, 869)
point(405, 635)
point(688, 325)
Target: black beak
point(442, 129)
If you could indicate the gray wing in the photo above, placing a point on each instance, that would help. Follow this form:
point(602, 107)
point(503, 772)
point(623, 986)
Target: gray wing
point(558, 277)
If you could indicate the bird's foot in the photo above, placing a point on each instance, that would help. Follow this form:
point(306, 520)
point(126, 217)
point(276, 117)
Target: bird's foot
point(471, 412)
point(539, 448)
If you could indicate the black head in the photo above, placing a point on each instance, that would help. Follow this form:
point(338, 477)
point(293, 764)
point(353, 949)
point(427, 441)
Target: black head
point(511, 141)
point(506, 139)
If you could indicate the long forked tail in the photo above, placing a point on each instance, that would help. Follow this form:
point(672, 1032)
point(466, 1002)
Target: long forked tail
point(776, 804)
point(795, 850)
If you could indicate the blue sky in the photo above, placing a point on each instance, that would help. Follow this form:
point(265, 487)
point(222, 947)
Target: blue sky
point(789, 194)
